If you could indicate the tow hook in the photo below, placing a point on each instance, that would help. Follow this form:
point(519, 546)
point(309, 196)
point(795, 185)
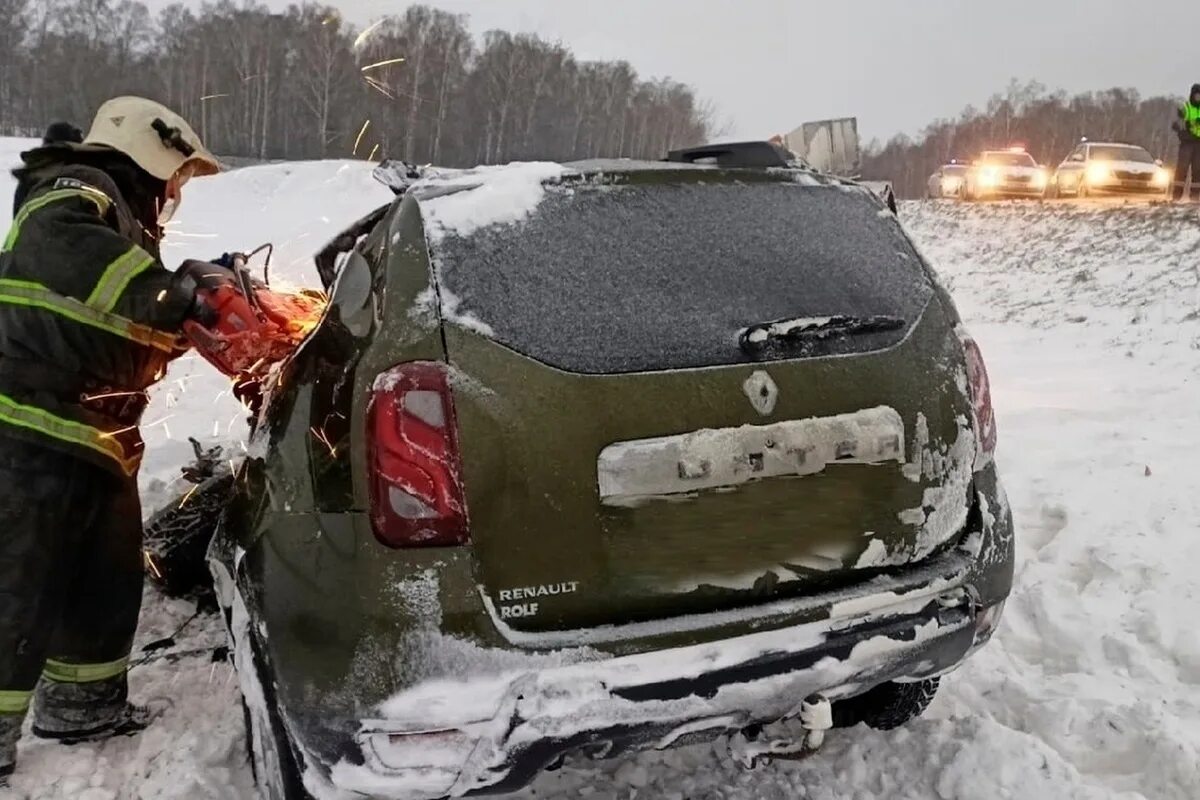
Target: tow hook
point(750, 750)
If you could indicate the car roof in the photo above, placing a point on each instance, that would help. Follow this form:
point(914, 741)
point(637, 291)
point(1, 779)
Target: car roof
point(1114, 144)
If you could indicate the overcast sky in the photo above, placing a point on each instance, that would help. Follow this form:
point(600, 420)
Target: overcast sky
point(769, 65)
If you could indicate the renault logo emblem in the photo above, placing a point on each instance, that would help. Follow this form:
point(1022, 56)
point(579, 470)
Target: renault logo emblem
point(762, 391)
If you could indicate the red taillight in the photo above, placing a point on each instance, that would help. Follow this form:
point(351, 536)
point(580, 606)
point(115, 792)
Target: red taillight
point(981, 396)
point(415, 472)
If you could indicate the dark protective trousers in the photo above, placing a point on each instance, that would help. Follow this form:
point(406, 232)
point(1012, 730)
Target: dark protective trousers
point(1189, 156)
point(70, 590)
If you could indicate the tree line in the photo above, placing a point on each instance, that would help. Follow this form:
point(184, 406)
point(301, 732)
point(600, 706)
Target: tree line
point(1048, 124)
point(306, 84)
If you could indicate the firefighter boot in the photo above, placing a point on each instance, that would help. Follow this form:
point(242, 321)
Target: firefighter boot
point(86, 712)
point(10, 732)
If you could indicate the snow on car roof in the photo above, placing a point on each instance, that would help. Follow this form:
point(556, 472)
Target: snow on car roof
point(1116, 144)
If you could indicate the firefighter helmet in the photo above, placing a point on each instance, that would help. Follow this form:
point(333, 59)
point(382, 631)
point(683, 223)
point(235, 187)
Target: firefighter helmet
point(157, 139)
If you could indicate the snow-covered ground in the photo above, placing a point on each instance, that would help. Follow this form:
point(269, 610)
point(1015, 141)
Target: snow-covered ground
point(1087, 316)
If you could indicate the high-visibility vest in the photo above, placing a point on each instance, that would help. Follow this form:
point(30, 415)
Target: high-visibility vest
point(1191, 118)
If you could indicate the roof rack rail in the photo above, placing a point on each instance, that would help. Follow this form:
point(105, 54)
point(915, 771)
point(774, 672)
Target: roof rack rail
point(734, 154)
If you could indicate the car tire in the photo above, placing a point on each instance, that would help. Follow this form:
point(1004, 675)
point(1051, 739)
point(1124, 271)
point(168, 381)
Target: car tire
point(273, 761)
point(175, 538)
point(1081, 191)
point(887, 706)
point(1051, 192)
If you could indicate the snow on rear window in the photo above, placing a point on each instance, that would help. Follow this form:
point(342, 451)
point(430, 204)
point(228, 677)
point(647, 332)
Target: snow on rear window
point(607, 279)
point(492, 196)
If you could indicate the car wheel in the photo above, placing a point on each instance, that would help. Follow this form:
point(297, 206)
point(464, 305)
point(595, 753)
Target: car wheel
point(1051, 192)
point(887, 706)
point(271, 756)
point(1081, 191)
point(175, 538)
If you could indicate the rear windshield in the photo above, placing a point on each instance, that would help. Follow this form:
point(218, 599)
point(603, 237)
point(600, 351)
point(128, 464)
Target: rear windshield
point(1107, 153)
point(607, 279)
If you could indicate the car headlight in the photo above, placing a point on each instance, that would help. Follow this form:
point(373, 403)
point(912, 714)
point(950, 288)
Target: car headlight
point(1161, 178)
point(1039, 180)
point(989, 177)
point(1099, 173)
point(950, 184)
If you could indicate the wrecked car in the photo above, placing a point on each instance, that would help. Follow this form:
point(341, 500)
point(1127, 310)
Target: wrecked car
point(605, 456)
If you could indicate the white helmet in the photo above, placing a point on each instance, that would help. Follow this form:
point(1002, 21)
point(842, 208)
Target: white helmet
point(155, 137)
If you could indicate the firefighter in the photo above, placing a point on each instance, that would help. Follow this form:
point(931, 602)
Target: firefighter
point(1188, 129)
point(89, 319)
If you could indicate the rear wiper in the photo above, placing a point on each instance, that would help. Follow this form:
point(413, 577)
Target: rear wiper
point(814, 329)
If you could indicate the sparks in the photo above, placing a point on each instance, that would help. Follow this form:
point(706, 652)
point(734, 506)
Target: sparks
point(87, 397)
point(320, 436)
point(367, 31)
point(374, 150)
point(212, 97)
point(162, 295)
point(384, 63)
point(148, 560)
point(118, 432)
point(359, 137)
point(379, 87)
point(188, 496)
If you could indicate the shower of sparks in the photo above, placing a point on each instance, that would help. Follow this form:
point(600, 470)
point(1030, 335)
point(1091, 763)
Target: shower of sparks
point(383, 63)
point(320, 436)
point(212, 97)
point(367, 31)
point(188, 496)
point(371, 155)
point(358, 138)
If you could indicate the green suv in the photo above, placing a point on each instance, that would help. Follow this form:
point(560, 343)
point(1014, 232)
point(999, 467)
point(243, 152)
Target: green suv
point(608, 456)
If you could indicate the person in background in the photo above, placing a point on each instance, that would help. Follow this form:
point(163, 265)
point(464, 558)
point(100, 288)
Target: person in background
point(57, 133)
point(1187, 127)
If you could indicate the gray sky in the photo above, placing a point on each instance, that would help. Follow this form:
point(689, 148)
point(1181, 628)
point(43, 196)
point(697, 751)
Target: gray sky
point(769, 65)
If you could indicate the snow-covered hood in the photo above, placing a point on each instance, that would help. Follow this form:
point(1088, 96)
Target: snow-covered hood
point(1136, 167)
point(1009, 171)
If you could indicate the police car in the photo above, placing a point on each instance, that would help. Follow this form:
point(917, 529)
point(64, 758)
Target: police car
point(947, 180)
point(1095, 168)
point(1004, 173)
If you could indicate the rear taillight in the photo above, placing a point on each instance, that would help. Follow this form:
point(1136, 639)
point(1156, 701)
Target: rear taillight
point(415, 471)
point(981, 397)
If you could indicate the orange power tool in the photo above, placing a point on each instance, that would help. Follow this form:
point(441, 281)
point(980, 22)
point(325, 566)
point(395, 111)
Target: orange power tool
point(252, 327)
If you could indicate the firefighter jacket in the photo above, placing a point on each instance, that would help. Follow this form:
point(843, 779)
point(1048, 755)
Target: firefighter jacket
point(89, 318)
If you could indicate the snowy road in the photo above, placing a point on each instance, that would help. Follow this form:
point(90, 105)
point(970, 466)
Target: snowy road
point(1088, 320)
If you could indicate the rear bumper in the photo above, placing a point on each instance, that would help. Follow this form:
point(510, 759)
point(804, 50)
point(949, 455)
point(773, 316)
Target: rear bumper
point(495, 734)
